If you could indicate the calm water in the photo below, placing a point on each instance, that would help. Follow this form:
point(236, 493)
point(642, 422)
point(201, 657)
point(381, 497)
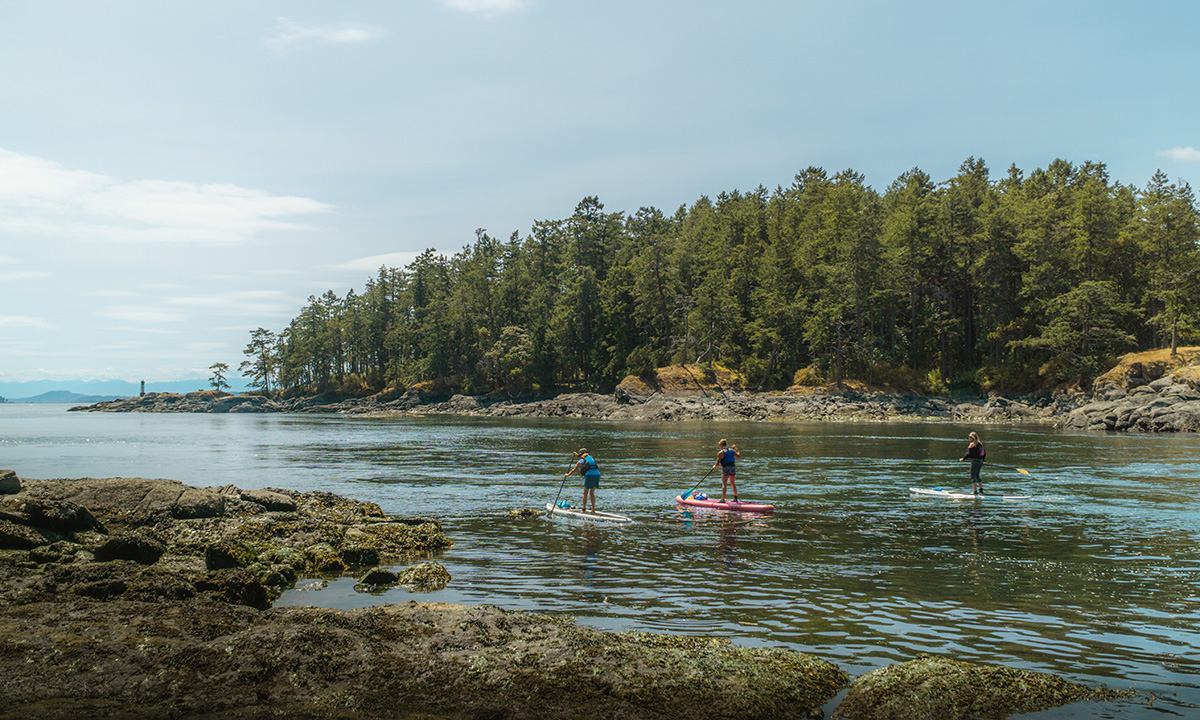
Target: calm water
point(1097, 577)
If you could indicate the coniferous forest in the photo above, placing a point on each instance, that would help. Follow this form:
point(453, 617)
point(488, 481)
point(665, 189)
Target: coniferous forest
point(1015, 283)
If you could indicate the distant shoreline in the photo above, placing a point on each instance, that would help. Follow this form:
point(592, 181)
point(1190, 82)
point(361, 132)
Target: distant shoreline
point(1162, 406)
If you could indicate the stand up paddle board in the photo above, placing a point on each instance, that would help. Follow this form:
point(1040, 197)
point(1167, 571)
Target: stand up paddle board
point(571, 513)
point(729, 505)
point(953, 495)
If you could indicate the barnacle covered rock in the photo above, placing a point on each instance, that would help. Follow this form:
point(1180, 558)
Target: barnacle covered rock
point(940, 688)
point(427, 576)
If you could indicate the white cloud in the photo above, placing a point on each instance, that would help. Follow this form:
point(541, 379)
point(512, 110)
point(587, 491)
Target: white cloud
point(289, 35)
point(1180, 154)
point(123, 294)
point(244, 303)
point(372, 263)
point(23, 275)
point(140, 314)
point(485, 8)
point(24, 321)
point(206, 347)
point(41, 198)
point(142, 329)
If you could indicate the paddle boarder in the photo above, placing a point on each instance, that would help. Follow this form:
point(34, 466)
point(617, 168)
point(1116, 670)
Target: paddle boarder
point(726, 458)
point(975, 453)
point(586, 465)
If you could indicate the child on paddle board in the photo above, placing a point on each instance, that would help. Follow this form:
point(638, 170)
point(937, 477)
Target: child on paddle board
point(726, 458)
point(975, 453)
point(586, 464)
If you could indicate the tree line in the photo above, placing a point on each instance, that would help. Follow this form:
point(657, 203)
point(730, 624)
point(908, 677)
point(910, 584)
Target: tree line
point(1010, 284)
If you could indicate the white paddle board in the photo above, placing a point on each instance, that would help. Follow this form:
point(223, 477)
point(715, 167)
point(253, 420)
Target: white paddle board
point(954, 495)
point(571, 513)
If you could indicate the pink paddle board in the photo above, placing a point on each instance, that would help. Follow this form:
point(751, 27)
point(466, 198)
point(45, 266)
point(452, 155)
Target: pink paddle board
point(729, 505)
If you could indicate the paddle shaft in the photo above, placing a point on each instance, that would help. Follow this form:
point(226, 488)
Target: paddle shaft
point(689, 492)
point(560, 489)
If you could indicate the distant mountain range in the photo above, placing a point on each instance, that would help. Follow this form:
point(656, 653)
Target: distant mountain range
point(64, 396)
point(90, 391)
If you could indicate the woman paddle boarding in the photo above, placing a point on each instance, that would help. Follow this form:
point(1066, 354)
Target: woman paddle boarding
point(975, 453)
point(726, 458)
point(586, 464)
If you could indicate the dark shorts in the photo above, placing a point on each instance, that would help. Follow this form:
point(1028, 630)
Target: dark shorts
point(591, 481)
point(728, 471)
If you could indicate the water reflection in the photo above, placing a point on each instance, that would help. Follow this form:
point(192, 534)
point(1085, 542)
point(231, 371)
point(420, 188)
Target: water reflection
point(592, 539)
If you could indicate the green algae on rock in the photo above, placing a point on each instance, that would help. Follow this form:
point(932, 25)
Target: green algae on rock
point(120, 659)
point(426, 576)
point(525, 513)
point(220, 541)
point(940, 688)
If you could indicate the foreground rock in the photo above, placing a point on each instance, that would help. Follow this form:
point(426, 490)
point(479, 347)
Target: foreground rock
point(166, 660)
point(939, 688)
point(128, 597)
point(134, 536)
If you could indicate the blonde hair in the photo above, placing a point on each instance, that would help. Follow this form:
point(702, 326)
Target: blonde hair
point(722, 442)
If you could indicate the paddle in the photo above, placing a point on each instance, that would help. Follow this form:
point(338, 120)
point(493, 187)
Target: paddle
point(689, 492)
point(550, 509)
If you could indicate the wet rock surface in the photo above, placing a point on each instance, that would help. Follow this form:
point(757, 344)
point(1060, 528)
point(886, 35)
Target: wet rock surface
point(108, 536)
point(129, 597)
point(132, 597)
point(171, 660)
point(940, 688)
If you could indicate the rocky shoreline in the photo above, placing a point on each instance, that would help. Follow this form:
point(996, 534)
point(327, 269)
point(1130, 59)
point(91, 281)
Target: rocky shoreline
point(128, 597)
point(1166, 405)
point(1154, 391)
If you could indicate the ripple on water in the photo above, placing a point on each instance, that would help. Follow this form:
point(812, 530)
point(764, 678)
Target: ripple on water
point(1095, 577)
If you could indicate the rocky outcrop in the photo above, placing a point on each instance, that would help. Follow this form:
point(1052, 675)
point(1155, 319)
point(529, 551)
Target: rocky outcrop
point(1142, 368)
point(234, 544)
point(1166, 404)
point(941, 688)
point(9, 482)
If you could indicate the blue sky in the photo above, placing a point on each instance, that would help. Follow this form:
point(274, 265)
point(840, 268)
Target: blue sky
point(174, 175)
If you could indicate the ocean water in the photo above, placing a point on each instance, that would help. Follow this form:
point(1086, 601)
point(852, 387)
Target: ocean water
point(1095, 577)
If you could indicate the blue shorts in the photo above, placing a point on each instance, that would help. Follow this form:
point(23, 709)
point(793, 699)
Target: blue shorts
point(591, 481)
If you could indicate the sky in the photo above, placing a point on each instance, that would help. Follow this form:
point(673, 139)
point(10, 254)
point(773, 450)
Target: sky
point(174, 175)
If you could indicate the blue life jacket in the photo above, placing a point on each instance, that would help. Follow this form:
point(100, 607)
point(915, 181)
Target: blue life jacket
point(589, 465)
point(727, 458)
